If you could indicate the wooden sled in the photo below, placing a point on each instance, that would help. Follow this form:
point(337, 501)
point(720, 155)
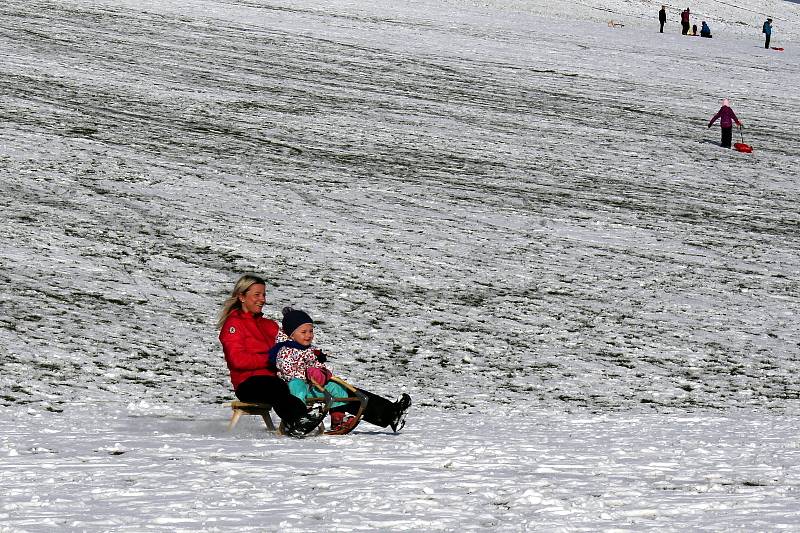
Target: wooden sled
point(264, 410)
point(615, 24)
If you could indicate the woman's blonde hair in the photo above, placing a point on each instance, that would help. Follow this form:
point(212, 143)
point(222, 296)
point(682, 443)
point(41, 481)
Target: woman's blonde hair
point(243, 284)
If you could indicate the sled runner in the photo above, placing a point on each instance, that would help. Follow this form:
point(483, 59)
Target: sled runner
point(779, 49)
point(355, 396)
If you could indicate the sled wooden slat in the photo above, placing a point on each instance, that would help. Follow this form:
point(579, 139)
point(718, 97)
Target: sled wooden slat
point(246, 408)
point(335, 399)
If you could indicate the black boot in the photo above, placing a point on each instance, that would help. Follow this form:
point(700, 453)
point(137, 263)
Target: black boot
point(401, 410)
point(305, 424)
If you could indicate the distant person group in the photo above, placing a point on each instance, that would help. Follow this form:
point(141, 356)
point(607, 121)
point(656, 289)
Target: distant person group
point(725, 115)
point(705, 30)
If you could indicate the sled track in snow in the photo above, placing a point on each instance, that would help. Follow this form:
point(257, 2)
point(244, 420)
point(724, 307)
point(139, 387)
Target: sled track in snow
point(452, 200)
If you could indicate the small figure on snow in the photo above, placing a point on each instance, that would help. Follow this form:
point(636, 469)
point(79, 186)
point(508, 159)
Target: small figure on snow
point(685, 21)
point(726, 118)
point(767, 31)
point(662, 18)
point(694, 30)
point(705, 31)
point(303, 367)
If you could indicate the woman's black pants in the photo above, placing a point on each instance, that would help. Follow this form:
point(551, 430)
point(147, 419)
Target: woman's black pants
point(274, 391)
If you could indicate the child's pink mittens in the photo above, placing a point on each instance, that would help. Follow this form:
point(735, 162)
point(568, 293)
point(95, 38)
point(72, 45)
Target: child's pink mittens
point(320, 375)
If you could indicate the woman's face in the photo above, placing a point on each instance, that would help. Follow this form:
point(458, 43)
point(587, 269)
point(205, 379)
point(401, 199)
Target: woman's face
point(253, 299)
point(304, 334)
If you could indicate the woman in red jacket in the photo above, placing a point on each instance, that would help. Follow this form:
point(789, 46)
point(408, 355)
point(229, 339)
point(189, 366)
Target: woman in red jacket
point(247, 336)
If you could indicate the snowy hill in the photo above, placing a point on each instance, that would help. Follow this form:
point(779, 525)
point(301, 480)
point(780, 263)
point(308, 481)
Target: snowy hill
point(499, 207)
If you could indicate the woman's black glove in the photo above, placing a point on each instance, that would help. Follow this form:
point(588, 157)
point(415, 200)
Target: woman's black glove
point(321, 357)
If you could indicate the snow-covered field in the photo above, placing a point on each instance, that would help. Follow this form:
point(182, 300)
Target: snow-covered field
point(554, 471)
point(510, 210)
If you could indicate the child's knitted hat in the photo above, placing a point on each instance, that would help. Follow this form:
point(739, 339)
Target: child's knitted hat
point(293, 319)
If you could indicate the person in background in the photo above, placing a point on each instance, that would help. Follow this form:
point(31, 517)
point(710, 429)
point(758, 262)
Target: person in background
point(705, 31)
point(726, 118)
point(685, 21)
point(662, 18)
point(694, 30)
point(767, 31)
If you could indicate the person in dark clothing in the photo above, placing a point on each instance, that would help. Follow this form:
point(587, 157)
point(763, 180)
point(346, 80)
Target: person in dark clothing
point(726, 118)
point(767, 31)
point(685, 25)
point(662, 18)
point(705, 31)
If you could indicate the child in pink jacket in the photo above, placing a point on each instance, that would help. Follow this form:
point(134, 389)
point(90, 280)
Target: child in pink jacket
point(726, 118)
point(299, 362)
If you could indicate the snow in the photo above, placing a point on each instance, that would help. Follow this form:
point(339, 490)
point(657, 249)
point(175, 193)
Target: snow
point(553, 470)
point(509, 210)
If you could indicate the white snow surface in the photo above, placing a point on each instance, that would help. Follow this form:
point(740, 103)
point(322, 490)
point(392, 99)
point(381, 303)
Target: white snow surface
point(510, 210)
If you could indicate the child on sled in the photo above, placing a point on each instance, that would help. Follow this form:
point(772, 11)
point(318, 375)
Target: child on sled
point(301, 364)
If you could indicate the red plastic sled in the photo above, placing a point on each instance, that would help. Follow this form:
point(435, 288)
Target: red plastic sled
point(742, 147)
point(778, 49)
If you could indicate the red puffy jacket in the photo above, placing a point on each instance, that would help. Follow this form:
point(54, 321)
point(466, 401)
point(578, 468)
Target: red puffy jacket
point(246, 339)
